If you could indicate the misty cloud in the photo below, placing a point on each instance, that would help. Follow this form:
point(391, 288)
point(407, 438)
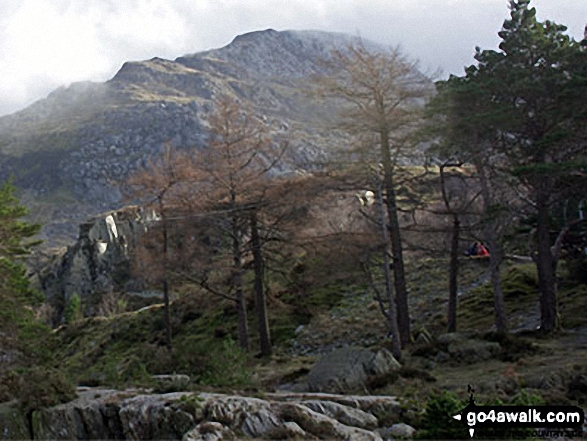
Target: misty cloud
point(48, 44)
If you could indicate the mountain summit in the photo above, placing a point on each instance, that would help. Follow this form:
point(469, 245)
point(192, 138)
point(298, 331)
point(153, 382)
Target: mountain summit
point(71, 150)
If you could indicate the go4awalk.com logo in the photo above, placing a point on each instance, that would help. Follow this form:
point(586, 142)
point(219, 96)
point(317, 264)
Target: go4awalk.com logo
point(546, 418)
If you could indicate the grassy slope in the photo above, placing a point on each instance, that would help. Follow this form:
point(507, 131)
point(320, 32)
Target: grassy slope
point(121, 350)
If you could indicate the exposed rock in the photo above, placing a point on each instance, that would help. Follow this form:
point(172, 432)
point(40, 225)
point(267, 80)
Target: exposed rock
point(91, 416)
point(98, 262)
point(175, 381)
point(401, 430)
point(343, 414)
point(209, 431)
point(289, 430)
point(109, 414)
point(323, 426)
point(348, 369)
point(375, 405)
point(252, 416)
point(156, 417)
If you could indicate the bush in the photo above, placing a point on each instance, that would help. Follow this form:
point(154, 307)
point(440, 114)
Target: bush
point(41, 387)
point(73, 309)
point(438, 421)
point(227, 367)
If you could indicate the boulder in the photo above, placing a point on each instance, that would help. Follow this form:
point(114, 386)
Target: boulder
point(401, 430)
point(349, 369)
point(171, 383)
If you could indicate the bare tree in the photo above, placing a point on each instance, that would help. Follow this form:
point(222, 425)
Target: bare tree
point(382, 95)
point(232, 174)
point(156, 186)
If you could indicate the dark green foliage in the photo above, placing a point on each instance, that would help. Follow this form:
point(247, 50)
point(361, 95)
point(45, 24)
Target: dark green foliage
point(39, 387)
point(73, 309)
point(438, 422)
point(227, 366)
point(21, 337)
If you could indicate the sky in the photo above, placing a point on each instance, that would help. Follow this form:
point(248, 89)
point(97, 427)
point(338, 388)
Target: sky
point(45, 44)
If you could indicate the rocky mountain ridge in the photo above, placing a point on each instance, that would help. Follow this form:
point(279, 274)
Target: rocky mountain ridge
point(77, 145)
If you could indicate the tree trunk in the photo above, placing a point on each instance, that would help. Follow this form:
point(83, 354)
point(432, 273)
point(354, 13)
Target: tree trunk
point(495, 259)
point(495, 251)
point(167, 312)
point(401, 291)
point(392, 311)
point(454, 252)
point(453, 274)
point(241, 305)
point(261, 301)
point(545, 267)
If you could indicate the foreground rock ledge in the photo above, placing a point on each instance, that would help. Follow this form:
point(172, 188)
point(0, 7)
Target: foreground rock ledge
point(111, 414)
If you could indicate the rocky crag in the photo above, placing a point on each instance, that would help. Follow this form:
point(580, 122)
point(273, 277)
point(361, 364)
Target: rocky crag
point(111, 414)
point(74, 148)
point(98, 262)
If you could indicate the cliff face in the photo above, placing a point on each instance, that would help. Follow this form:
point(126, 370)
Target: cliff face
point(98, 262)
point(77, 145)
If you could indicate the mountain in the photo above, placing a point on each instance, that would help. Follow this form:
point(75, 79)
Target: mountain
point(71, 151)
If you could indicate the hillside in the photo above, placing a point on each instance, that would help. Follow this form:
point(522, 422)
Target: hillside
point(70, 151)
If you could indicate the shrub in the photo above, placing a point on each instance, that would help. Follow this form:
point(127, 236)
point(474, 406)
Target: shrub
point(227, 367)
point(41, 387)
point(73, 309)
point(438, 421)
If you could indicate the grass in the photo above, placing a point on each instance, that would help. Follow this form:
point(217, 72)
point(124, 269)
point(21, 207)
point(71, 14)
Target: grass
point(127, 348)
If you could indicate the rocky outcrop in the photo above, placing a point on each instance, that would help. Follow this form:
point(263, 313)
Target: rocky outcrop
point(349, 369)
point(98, 262)
point(109, 414)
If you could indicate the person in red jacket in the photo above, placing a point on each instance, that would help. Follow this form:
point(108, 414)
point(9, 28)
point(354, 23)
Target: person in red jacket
point(481, 250)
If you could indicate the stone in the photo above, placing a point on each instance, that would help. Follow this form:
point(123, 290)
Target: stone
point(252, 416)
point(348, 369)
point(153, 417)
point(323, 426)
point(98, 261)
point(401, 430)
point(209, 431)
point(386, 406)
point(343, 414)
point(173, 381)
point(289, 430)
point(109, 414)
